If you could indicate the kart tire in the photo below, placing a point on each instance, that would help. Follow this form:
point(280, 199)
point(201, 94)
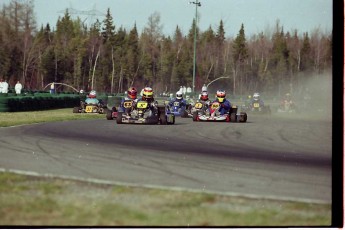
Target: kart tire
point(76, 110)
point(233, 117)
point(184, 114)
point(195, 116)
point(109, 115)
point(163, 119)
point(103, 111)
point(243, 117)
point(173, 121)
point(119, 118)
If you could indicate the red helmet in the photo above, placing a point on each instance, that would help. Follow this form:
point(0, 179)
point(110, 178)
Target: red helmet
point(204, 96)
point(92, 94)
point(132, 93)
point(220, 96)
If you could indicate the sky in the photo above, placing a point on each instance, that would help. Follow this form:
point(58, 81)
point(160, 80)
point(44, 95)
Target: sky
point(256, 15)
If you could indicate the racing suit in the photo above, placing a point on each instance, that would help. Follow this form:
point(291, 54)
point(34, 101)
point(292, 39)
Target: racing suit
point(91, 101)
point(224, 106)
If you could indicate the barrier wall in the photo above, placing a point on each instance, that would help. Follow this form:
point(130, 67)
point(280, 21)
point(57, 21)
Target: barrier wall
point(37, 101)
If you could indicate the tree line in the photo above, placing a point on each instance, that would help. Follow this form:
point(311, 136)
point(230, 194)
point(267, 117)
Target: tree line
point(110, 59)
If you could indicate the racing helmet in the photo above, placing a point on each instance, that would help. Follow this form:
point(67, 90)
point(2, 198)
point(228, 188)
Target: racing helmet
point(92, 94)
point(220, 95)
point(147, 93)
point(132, 93)
point(204, 96)
point(81, 91)
point(178, 95)
point(256, 96)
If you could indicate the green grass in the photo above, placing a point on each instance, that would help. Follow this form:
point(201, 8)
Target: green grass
point(31, 117)
point(37, 201)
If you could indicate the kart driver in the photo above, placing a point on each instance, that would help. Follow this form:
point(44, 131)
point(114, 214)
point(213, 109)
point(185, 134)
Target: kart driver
point(178, 98)
point(256, 99)
point(91, 98)
point(131, 96)
point(147, 95)
point(204, 98)
point(225, 104)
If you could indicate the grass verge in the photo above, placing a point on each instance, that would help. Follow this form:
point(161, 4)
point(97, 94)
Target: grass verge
point(40, 201)
point(37, 201)
point(31, 117)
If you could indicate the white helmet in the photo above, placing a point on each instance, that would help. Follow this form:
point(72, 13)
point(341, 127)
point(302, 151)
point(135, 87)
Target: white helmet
point(256, 96)
point(179, 95)
point(81, 91)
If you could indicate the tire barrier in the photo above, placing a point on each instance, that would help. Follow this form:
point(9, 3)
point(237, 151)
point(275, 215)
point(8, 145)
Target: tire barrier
point(37, 101)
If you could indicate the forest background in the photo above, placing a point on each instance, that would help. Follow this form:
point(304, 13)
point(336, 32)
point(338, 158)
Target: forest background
point(109, 59)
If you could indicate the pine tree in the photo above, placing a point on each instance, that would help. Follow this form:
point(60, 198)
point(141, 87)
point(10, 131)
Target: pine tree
point(240, 54)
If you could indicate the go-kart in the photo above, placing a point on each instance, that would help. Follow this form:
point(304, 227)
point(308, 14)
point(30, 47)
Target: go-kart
point(91, 108)
point(211, 113)
point(256, 107)
point(141, 113)
point(287, 107)
point(178, 109)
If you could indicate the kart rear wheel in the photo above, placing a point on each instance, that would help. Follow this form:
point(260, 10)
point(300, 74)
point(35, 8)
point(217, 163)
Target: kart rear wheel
point(119, 118)
point(103, 111)
point(76, 110)
point(233, 117)
point(243, 117)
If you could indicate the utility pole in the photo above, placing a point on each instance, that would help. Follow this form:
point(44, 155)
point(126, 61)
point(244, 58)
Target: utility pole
point(196, 3)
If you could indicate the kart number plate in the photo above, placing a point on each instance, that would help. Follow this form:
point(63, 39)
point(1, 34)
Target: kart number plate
point(198, 105)
point(127, 104)
point(176, 103)
point(215, 106)
point(89, 109)
point(256, 105)
point(142, 105)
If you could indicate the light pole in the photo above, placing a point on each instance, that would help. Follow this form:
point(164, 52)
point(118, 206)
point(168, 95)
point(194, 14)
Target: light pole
point(196, 3)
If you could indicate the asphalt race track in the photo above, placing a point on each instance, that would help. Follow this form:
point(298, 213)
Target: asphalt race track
point(279, 156)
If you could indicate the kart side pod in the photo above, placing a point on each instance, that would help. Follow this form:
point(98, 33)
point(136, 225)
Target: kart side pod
point(235, 116)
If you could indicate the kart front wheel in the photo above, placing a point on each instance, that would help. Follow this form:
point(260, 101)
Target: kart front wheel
point(195, 116)
point(109, 115)
point(119, 118)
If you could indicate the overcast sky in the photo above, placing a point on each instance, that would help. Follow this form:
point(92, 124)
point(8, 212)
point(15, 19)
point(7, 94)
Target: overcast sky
point(256, 15)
